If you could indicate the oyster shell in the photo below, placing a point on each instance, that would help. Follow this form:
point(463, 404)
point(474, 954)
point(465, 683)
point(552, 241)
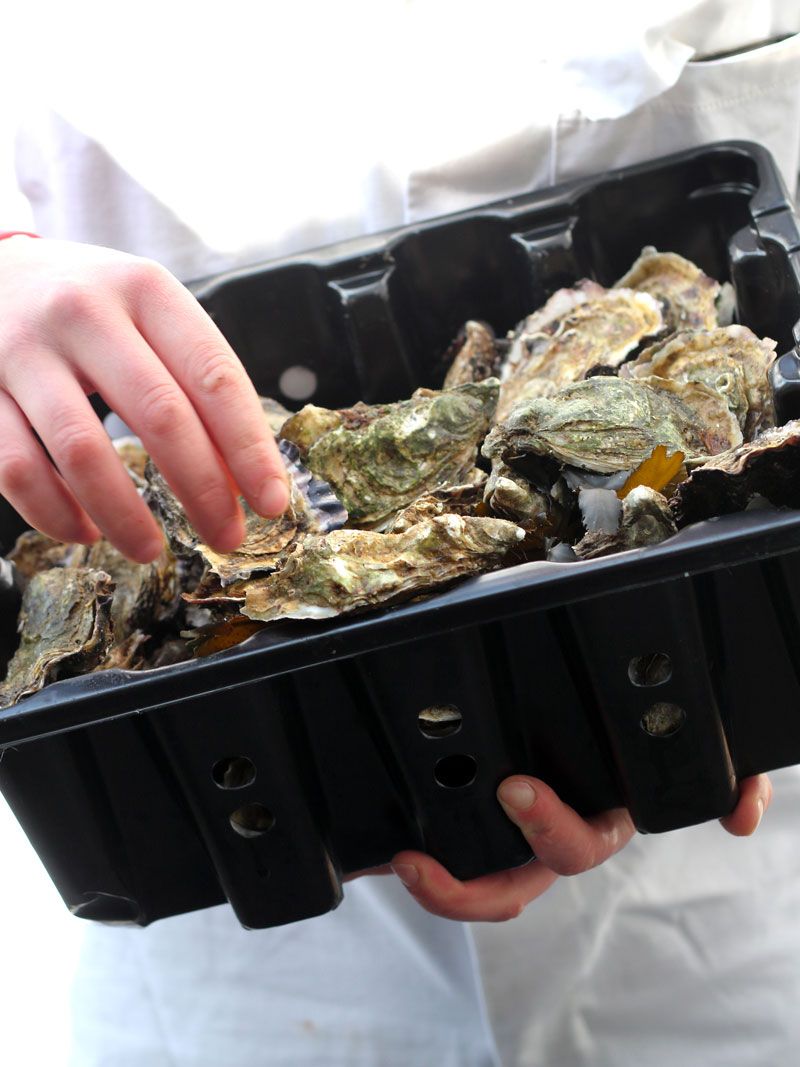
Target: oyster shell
point(276, 414)
point(350, 570)
point(731, 360)
point(476, 355)
point(65, 623)
point(766, 467)
point(465, 499)
point(144, 593)
point(645, 519)
point(607, 424)
point(602, 329)
point(689, 296)
point(379, 460)
point(312, 509)
point(34, 552)
point(134, 458)
point(311, 423)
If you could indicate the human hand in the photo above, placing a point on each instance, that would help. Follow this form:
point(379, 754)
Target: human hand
point(77, 319)
point(562, 841)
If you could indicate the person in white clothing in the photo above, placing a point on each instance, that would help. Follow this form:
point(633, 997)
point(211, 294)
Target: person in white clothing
point(587, 975)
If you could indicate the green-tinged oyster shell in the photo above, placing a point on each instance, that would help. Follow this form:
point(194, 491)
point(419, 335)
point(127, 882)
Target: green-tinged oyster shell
point(688, 295)
point(646, 519)
point(731, 360)
point(601, 329)
point(65, 623)
point(350, 570)
point(607, 424)
point(767, 467)
point(475, 355)
point(312, 422)
point(393, 454)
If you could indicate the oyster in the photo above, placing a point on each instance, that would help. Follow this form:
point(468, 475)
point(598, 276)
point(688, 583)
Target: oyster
point(379, 460)
point(125, 655)
point(688, 295)
point(607, 424)
point(312, 508)
point(766, 467)
point(144, 593)
point(476, 355)
point(311, 423)
point(602, 329)
point(276, 414)
point(65, 623)
point(350, 570)
point(34, 552)
point(134, 458)
point(465, 499)
point(645, 519)
point(731, 360)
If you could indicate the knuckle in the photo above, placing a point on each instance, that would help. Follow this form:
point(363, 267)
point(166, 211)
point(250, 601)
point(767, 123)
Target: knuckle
point(161, 410)
point(77, 445)
point(72, 303)
point(576, 862)
point(146, 279)
point(16, 471)
point(512, 910)
point(217, 373)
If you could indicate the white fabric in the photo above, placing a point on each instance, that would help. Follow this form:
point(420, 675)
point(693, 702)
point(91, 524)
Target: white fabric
point(209, 136)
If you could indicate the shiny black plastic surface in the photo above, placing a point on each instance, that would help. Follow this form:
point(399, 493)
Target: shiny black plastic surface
point(116, 777)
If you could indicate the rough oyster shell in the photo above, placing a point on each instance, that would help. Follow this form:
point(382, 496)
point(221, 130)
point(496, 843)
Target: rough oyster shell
point(465, 499)
point(144, 593)
point(731, 360)
point(689, 296)
point(312, 509)
point(768, 467)
point(379, 460)
point(476, 355)
point(65, 623)
point(276, 414)
point(34, 552)
point(350, 570)
point(606, 424)
point(601, 330)
point(645, 519)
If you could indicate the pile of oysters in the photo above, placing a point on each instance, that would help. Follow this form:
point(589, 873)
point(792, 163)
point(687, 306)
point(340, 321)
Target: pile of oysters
point(605, 421)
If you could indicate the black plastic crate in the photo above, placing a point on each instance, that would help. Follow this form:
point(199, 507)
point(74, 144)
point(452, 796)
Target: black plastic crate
point(118, 777)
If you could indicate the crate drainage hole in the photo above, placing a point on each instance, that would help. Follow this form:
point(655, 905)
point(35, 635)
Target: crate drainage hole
point(439, 720)
point(663, 719)
point(234, 772)
point(252, 820)
point(298, 383)
point(455, 771)
point(653, 669)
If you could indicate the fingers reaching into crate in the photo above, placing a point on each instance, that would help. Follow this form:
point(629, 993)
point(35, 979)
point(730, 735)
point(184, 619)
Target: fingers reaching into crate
point(562, 841)
point(77, 320)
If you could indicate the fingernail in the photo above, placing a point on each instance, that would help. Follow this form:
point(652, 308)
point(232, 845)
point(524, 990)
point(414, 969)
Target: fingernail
point(519, 796)
point(407, 873)
point(760, 803)
point(273, 499)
